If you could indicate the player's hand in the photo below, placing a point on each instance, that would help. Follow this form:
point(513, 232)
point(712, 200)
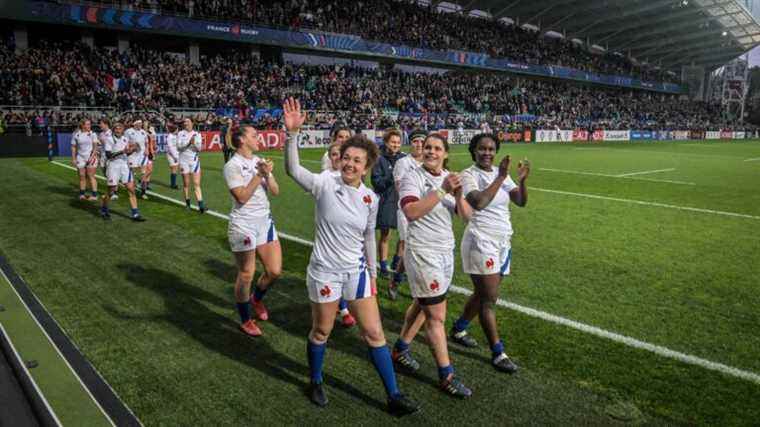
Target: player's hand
point(523, 169)
point(293, 117)
point(504, 166)
point(373, 282)
point(451, 183)
point(265, 167)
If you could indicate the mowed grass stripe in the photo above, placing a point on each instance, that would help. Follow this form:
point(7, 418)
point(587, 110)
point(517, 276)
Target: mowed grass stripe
point(589, 329)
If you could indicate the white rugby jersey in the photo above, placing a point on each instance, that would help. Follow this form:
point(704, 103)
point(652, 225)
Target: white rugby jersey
point(85, 142)
point(493, 221)
point(238, 172)
point(139, 137)
point(434, 230)
point(404, 165)
point(105, 137)
point(342, 215)
point(171, 145)
point(189, 145)
point(117, 144)
point(326, 162)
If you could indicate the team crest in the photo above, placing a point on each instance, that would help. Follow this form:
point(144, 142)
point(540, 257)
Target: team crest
point(247, 241)
point(326, 291)
point(489, 263)
point(367, 199)
point(434, 286)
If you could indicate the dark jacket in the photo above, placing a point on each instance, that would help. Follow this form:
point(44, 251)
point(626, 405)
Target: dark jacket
point(382, 183)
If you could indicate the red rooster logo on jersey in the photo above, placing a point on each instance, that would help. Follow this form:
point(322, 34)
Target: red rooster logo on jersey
point(247, 241)
point(326, 291)
point(367, 199)
point(434, 286)
point(489, 263)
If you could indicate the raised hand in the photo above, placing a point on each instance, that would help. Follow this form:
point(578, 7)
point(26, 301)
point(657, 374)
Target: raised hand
point(504, 166)
point(292, 115)
point(265, 167)
point(451, 183)
point(523, 170)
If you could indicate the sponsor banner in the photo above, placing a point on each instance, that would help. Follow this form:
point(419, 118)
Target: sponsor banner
point(272, 140)
point(554, 135)
point(697, 134)
point(642, 135)
point(616, 135)
point(580, 135)
point(314, 138)
point(712, 134)
point(681, 135)
point(510, 136)
point(726, 134)
point(598, 135)
point(119, 19)
point(460, 136)
point(739, 135)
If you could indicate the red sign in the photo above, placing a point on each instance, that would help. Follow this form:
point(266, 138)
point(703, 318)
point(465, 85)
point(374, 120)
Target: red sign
point(726, 134)
point(212, 141)
point(271, 140)
point(598, 135)
point(580, 135)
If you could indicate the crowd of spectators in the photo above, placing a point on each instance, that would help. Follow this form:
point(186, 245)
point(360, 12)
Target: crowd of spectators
point(407, 22)
point(66, 74)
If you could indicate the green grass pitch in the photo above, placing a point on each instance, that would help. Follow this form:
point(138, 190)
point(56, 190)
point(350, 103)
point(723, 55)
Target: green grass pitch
point(150, 304)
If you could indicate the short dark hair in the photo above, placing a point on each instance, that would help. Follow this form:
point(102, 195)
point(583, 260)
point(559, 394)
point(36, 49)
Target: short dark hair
point(238, 133)
point(440, 137)
point(337, 129)
point(389, 133)
point(106, 121)
point(361, 141)
point(479, 137)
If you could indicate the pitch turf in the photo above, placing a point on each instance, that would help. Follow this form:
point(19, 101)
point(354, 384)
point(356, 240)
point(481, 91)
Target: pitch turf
point(150, 304)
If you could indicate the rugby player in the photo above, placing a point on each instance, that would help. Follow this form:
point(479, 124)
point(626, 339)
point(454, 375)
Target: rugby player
point(84, 157)
point(339, 135)
point(118, 171)
point(251, 229)
point(343, 260)
point(429, 196)
point(486, 245)
point(172, 154)
point(138, 160)
point(189, 144)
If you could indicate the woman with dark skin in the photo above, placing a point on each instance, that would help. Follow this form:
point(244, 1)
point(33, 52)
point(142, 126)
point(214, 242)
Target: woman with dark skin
point(486, 244)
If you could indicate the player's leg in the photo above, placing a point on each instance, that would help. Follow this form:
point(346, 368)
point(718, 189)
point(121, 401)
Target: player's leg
point(186, 178)
point(382, 250)
point(173, 176)
point(270, 255)
point(82, 173)
point(434, 309)
point(197, 189)
point(414, 318)
point(135, 212)
point(488, 287)
point(399, 269)
point(322, 321)
point(90, 175)
point(104, 210)
point(472, 307)
point(145, 171)
point(245, 261)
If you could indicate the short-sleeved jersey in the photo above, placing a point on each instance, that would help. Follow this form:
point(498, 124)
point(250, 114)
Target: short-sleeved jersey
point(493, 221)
point(434, 230)
point(189, 144)
point(404, 165)
point(105, 137)
point(343, 214)
point(238, 172)
point(84, 142)
point(116, 144)
point(171, 145)
point(140, 138)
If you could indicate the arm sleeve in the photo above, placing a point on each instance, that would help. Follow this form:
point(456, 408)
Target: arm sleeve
point(370, 246)
point(326, 163)
point(300, 174)
point(408, 190)
point(232, 176)
point(197, 141)
point(74, 139)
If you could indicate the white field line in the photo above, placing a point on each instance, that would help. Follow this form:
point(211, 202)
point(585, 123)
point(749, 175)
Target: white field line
point(623, 175)
point(50, 340)
point(752, 160)
point(552, 318)
point(669, 181)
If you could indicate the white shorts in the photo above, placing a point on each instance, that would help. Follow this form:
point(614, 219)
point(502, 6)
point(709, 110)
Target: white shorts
point(118, 173)
point(171, 161)
point(330, 286)
point(401, 224)
point(429, 272)
point(138, 162)
point(84, 163)
point(251, 235)
point(485, 256)
point(186, 167)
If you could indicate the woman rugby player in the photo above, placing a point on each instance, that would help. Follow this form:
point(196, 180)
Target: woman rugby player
point(251, 230)
point(343, 260)
point(486, 244)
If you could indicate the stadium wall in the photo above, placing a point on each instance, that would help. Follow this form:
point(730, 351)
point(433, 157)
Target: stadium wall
point(116, 19)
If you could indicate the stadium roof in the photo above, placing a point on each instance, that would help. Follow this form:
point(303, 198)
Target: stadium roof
point(665, 33)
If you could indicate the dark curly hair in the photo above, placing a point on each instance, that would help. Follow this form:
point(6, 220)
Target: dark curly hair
point(479, 137)
point(362, 142)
